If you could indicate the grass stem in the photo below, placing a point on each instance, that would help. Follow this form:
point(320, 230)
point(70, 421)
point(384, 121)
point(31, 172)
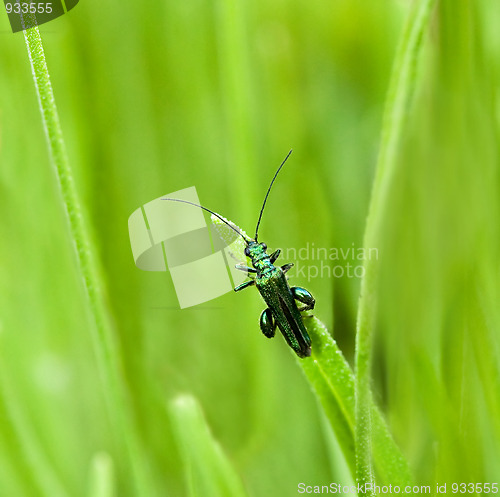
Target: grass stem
point(107, 351)
point(400, 92)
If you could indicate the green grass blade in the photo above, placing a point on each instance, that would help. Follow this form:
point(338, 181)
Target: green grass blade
point(102, 476)
point(27, 442)
point(333, 382)
point(209, 472)
point(400, 91)
point(331, 378)
point(102, 332)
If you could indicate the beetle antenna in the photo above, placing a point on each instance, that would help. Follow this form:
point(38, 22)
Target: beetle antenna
point(267, 194)
point(246, 238)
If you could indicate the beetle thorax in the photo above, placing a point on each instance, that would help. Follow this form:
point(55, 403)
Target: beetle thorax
point(261, 262)
point(257, 253)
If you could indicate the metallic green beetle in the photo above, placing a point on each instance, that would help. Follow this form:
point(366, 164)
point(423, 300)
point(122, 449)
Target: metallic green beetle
point(270, 280)
point(274, 289)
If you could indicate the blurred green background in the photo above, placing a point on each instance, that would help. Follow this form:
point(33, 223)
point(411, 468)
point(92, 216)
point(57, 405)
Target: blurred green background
point(156, 98)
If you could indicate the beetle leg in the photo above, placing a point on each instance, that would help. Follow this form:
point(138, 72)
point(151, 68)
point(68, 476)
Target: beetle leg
point(303, 296)
point(275, 255)
point(286, 267)
point(268, 323)
point(244, 285)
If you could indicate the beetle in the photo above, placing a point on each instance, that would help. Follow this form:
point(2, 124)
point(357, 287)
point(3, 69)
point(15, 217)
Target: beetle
point(282, 311)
